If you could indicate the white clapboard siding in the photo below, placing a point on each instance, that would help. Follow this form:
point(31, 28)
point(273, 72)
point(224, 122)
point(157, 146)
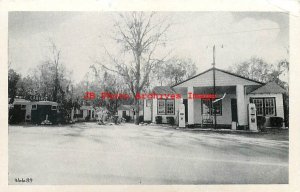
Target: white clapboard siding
point(278, 101)
point(222, 79)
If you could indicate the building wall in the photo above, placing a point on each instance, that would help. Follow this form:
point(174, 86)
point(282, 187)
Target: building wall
point(225, 118)
point(164, 117)
point(278, 101)
point(85, 114)
point(147, 110)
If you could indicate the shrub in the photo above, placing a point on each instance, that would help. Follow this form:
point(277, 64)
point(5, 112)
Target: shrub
point(276, 121)
point(158, 119)
point(141, 118)
point(261, 120)
point(171, 120)
point(127, 118)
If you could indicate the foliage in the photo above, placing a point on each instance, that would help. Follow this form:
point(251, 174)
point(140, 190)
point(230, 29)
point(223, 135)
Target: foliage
point(13, 79)
point(141, 118)
point(49, 81)
point(171, 120)
point(175, 70)
point(127, 118)
point(158, 119)
point(261, 120)
point(255, 68)
point(276, 121)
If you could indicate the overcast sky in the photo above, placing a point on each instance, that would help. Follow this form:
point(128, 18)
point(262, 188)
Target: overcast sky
point(82, 35)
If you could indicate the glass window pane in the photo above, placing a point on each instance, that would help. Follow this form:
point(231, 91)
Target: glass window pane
point(269, 106)
point(206, 106)
point(161, 107)
point(170, 106)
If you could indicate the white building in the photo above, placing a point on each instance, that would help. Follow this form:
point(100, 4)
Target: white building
point(236, 93)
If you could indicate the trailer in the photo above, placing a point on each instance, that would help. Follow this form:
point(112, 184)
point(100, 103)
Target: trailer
point(20, 111)
point(44, 111)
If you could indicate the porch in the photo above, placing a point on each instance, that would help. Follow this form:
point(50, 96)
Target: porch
point(230, 107)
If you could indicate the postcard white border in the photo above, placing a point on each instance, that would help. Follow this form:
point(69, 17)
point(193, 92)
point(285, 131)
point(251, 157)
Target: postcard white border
point(291, 6)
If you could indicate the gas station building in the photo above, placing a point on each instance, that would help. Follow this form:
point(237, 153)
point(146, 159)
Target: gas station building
point(238, 102)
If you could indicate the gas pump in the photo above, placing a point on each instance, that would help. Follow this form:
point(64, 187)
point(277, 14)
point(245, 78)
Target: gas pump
point(252, 117)
point(181, 115)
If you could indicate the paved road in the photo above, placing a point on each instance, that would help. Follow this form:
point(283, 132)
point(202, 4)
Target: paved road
point(86, 153)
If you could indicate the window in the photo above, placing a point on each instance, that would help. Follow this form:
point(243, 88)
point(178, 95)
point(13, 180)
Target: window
point(34, 107)
point(166, 107)
point(170, 106)
point(23, 107)
point(270, 106)
point(259, 106)
point(208, 107)
point(265, 106)
point(161, 108)
point(148, 103)
point(218, 107)
point(53, 107)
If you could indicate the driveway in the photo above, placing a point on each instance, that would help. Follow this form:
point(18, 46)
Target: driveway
point(87, 153)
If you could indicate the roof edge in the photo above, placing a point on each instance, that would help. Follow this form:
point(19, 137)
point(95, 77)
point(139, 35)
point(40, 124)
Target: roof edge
point(192, 77)
point(221, 70)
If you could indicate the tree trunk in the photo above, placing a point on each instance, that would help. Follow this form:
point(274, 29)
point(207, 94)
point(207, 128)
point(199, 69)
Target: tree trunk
point(137, 111)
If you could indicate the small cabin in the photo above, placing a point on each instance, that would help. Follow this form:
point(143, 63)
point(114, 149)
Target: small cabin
point(44, 110)
point(128, 112)
point(86, 113)
point(35, 112)
point(19, 111)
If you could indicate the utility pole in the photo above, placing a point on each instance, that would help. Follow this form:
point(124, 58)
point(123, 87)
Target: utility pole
point(214, 80)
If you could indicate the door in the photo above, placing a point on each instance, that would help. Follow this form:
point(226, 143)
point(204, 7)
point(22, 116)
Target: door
point(234, 110)
point(185, 102)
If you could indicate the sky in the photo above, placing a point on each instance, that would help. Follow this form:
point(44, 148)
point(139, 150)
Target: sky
point(81, 37)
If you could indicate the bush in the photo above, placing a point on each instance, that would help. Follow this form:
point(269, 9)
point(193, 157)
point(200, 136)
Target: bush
point(141, 118)
point(158, 119)
point(127, 118)
point(261, 120)
point(171, 120)
point(276, 121)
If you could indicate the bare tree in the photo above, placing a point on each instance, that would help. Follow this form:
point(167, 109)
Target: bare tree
point(55, 61)
point(140, 36)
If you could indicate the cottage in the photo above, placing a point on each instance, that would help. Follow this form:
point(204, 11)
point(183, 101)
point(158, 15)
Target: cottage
point(233, 94)
point(85, 113)
point(128, 112)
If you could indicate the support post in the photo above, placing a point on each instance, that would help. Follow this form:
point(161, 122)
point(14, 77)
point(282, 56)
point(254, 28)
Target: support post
point(241, 105)
point(191, 106)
